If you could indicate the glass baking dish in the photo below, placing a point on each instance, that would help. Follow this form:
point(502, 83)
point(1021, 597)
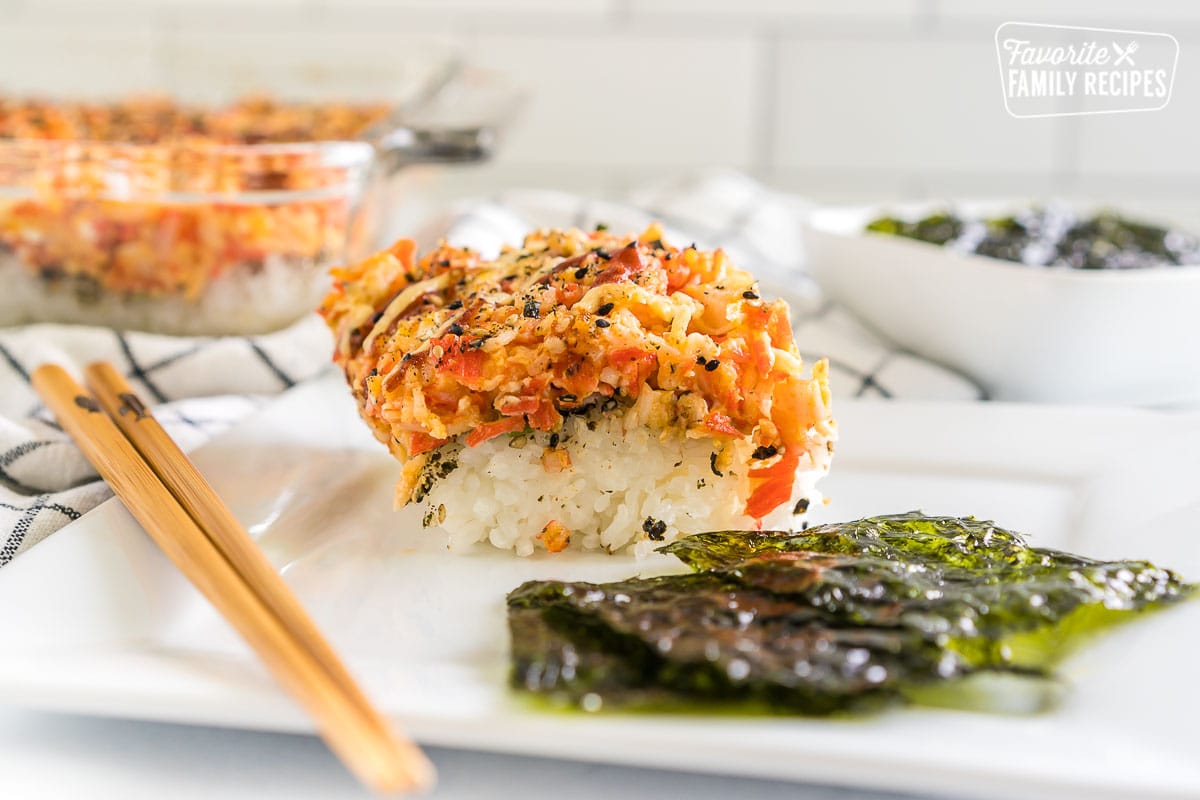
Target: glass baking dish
point(191, 237)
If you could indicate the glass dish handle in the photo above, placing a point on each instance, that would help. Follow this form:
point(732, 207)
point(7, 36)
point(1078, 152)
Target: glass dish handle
point(460, 123)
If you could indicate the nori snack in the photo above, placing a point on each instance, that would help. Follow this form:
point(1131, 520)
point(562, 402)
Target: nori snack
point(1053, 237)
point(843, 616)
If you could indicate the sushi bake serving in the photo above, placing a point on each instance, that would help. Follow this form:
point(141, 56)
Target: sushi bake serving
point(584, 389)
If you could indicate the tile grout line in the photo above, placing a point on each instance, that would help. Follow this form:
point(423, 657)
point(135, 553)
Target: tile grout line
point(768, 106)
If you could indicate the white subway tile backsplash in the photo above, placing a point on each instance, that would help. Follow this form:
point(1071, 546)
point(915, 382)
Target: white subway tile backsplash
point(1151, 144)
point(216, 66)
point(781, 9)
point(1154, 143)
point(487, 7)
point(629, 98)
point(774, 18)
point(1103, 13)
point(543, 18)
point(911, 105)
point(858, 100)
point(843, 187)
point(48, 59)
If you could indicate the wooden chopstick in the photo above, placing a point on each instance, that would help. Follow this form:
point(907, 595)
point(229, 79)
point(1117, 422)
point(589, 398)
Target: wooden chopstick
point(349, 725)
point(196, 495)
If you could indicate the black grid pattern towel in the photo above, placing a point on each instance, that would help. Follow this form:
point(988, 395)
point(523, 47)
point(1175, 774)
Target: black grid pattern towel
point(201, 386)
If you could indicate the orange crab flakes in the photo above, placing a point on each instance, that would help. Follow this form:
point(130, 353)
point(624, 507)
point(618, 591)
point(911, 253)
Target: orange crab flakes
point(555, 536)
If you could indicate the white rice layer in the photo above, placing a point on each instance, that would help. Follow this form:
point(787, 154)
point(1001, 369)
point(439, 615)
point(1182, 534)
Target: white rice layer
point(623, 479)
point(243, 300)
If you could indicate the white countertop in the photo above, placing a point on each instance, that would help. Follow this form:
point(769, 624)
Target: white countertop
point(59, 756)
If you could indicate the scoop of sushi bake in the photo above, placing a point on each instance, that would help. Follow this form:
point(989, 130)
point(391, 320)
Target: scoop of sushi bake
point(613, 391)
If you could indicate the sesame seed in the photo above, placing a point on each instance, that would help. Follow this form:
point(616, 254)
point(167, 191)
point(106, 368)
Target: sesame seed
point(712, 365)
point(604, 309)
point(602, 323)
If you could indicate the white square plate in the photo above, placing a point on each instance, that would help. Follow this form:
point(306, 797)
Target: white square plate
point(97, 621)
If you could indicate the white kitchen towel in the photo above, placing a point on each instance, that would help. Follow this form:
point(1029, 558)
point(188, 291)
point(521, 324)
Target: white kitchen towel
point(200, 386)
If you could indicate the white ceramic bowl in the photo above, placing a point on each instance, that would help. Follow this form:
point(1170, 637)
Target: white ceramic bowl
point(1025, 333)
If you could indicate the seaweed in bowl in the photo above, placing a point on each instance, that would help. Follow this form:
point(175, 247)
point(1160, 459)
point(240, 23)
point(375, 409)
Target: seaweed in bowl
point(1052, 237)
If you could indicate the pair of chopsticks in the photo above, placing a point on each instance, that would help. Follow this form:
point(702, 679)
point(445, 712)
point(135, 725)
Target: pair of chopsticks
point(166, 494)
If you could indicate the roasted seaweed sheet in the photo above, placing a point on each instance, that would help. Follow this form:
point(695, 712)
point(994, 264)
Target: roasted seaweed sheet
point(839, 617)
point(1053, 237)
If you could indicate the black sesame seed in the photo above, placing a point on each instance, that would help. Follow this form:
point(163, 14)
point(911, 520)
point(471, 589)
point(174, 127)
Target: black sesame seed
point(712, 365)
point(604, 309)
point(655, 529)
point(456, 329)
point(712, 464)
point(532, 308)
point(701, 360)
point(581, 273)
point(602, 323)
point(553, 440)
point(801, 507)
point(457, 304)
point(749, 295)
point(764, 452)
